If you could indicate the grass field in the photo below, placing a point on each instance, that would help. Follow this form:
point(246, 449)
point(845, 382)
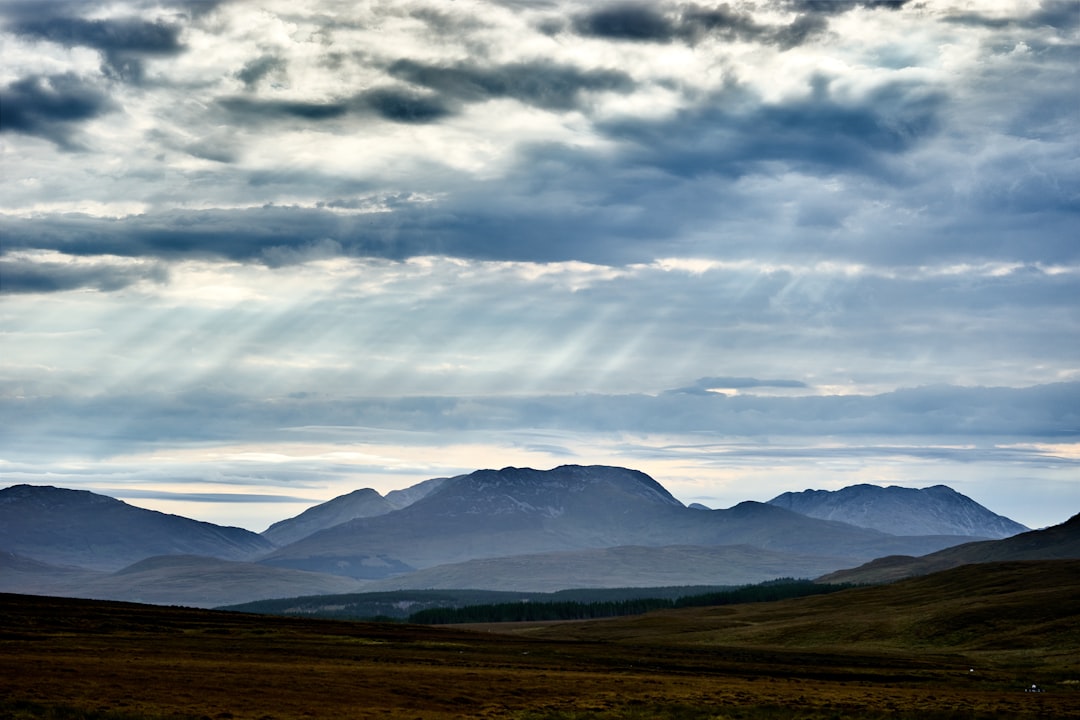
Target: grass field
point(78, 659)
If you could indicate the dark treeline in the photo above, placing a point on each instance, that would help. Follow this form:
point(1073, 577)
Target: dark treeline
point(539, 611)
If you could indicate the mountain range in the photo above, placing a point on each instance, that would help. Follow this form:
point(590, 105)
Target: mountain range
point(514, 528)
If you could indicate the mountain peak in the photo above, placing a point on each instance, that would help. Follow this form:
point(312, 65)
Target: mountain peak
point(364, 502)
point(935, 510)
point(547, 492)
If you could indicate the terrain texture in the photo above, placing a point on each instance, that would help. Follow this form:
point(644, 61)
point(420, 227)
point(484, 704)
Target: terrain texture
point(965, 644)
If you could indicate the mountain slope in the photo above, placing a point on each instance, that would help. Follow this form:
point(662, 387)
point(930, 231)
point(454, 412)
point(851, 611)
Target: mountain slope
point(407, 496)
point(616, 567)
point(359, 503)
point(1052, 543)
point(515, 511)
point(77, 527)
point(205, 582)
point(937, 510)
point(20, 574)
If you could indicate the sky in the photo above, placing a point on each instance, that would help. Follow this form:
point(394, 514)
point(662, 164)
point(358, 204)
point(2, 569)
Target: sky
point(255, 255)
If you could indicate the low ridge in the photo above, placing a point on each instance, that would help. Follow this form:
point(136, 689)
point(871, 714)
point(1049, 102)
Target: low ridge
point(1058, 542)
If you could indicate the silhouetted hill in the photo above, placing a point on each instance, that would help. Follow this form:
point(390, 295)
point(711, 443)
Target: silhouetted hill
point(77, 527)
point(1052, 543)
point(937, 510)
point(516, 511)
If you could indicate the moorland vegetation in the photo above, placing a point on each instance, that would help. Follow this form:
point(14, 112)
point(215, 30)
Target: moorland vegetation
point(964, 644)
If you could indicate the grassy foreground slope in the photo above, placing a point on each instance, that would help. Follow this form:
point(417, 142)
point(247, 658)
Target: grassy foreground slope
point(1016, 614)
point(899, 652)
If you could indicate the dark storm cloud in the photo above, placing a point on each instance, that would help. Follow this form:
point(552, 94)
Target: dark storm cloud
point(259, 68)
point(627, 22)
point(546, 85)
point(1062, 15)
point(734, 135)
point(23, 276)
point(399, 106)
point(50, 107)
point(638, 22)
point(388, 103)
point(543, 84)
point(837, 7)
point(124, 44)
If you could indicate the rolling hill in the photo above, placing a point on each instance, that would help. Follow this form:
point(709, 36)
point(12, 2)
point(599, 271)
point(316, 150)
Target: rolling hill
point(1002, 609)
point(188, 580)
point(1052, 543)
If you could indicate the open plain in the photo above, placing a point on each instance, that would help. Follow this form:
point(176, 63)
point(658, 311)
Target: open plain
point(67, 658)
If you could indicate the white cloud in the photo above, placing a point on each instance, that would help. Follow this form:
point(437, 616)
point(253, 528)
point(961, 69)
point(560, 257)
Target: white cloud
point(522, 237)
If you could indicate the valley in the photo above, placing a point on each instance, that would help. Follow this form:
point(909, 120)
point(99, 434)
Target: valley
point(855, 654)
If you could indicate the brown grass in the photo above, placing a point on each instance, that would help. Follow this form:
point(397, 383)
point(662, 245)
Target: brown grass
point(76, 659)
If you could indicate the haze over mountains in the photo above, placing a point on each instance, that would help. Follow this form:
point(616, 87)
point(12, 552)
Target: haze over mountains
point(937, 510)
point(515, 528)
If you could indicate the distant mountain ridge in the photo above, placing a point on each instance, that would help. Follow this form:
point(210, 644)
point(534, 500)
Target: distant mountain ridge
point(77, 527)
point(519, 511)
point(571, 526)
point(937, 510)
point(359, 503)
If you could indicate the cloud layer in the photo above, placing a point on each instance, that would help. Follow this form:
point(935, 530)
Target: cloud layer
point(848, 223)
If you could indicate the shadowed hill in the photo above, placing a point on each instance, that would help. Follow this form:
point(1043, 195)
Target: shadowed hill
point(77, 527)
point(1055, 542)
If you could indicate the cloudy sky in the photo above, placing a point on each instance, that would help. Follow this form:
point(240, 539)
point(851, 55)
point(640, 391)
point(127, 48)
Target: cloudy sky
point(259, 254)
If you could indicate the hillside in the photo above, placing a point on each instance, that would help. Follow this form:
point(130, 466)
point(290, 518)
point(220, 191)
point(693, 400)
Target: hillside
point(76, 527)
point(1004, 610)
point(937, 510)
point(1055, 542)
point(20, 574)
point(359, 503)
point(960, 644)
point(188, 580)
point(623, 566)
